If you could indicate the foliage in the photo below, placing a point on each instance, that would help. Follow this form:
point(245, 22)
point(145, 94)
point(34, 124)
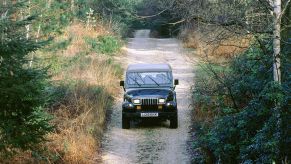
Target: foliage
point(251, 113)
point(25, 92)
point(118, 15)
point(83, 85)
point(53, 16)
point(23, 122)
point(59, 45)
point(157, 15)
point(104, 44)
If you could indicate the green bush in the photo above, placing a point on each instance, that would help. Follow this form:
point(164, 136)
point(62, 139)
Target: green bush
point(60, 45)
point(118, 15)
point(252, 122)
point(104, 44)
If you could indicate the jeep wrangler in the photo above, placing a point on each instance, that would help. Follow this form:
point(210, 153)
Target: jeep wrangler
point(149, 93)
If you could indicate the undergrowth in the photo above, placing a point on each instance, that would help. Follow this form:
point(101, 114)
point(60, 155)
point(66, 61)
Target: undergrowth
point(104, 44)
point(240, 114)
point(84, 82)
point(214, 42)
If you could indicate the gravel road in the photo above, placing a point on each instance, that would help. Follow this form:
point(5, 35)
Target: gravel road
point(149, 142)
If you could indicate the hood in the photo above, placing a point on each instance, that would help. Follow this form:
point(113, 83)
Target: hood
point(149, 93)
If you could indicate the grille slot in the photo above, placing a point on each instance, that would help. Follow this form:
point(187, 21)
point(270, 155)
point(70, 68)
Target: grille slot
point(149, 101)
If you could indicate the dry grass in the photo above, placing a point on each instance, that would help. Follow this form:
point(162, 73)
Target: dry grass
point(80, 116)
point(78, 32)
point(214, 43)
point(88, 86)
point(79, 124)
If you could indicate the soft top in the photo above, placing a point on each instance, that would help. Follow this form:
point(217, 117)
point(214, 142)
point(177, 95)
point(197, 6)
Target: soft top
point(148, 67)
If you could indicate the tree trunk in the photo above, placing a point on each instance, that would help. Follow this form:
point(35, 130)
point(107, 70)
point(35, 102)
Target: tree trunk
point(73, 6)
point(49, 2)
point(28, 26)
point(277, 64)
point(27, 32)
point(277, 41)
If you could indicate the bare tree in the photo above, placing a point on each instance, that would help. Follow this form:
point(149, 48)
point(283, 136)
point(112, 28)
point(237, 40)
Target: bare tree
point(250, 17)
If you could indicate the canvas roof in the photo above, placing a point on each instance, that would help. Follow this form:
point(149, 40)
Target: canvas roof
point(148, 67)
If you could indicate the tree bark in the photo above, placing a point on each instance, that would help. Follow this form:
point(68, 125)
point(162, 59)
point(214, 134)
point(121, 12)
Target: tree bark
point(73, 6)
point(49, 2)
point(277, 41)
point(28, 26)
point(27, 32)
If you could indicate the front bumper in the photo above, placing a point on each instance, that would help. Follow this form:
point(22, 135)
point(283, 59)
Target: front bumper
point(137, 114)
point(170, 106)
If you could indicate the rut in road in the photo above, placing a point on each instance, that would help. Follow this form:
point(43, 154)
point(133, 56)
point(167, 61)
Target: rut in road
point(147, 142)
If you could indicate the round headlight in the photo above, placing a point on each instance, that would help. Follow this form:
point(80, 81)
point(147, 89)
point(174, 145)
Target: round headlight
point(136, 101)
point(162, 101)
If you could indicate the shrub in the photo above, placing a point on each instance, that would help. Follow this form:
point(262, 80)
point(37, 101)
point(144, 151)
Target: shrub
point(251, 112)
point(83, 90)
point(104, 44)
point(60, 45)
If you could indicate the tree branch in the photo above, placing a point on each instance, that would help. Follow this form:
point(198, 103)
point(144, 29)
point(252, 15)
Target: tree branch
point(150, 16)
point(286, 6)
point(180, 21)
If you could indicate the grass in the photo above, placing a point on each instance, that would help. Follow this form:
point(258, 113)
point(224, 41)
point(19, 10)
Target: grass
point(104, 44)
point(79, 120)
point(90, 83)
point(204, 102)
point(85, 83)
point(214, 43)
point(80, 114)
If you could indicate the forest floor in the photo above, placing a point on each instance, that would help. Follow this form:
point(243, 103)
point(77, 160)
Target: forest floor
point(152, 142)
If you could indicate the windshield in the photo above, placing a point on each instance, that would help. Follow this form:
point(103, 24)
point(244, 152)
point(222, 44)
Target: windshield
point(148, 79)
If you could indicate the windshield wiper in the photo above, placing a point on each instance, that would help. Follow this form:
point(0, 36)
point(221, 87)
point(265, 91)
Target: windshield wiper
point(140, 78)
point(135, 81)
point(154, 80)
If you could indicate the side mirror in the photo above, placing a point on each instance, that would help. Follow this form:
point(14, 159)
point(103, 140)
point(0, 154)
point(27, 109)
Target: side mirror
point(122, 83)
point(176, 82)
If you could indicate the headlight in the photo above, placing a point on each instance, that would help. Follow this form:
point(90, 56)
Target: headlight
point(162, 101)
point(136, 101)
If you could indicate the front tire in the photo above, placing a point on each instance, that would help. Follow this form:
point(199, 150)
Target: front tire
point(125, 122)
point(174, 122)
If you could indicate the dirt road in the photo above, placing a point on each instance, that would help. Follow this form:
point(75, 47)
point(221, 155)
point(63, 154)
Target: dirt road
point(152, 142)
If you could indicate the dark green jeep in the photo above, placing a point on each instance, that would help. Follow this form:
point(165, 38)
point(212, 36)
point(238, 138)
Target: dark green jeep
point(149, 93)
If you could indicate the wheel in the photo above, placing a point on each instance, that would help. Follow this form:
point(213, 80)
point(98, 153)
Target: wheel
point(174, 122)
point(125, 122)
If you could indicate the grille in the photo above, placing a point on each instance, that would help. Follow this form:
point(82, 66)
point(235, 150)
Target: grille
point(149, 101)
